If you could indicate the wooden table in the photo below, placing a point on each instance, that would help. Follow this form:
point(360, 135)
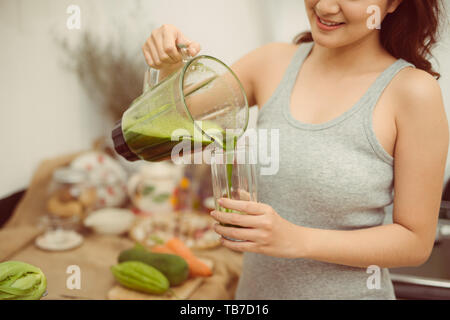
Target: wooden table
point(96, 254)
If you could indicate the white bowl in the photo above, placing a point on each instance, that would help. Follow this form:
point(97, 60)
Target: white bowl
point(113, 221)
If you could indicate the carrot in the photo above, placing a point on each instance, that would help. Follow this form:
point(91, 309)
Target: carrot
point(196, 267)
point(161, 248)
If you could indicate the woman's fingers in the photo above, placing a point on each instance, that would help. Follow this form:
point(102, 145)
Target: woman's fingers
point(155, 57)
point(249, 207)
point(237, 233)
point(244, 195)
point(242, 220)
point(161, 51)
point(169, 47)
point(181, 39)
point(147, 55)
point(194, 48)
point(243, 246)
point(163, 45)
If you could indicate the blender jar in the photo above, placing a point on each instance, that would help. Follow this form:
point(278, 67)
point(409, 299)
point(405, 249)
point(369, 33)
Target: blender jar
point(201, 103)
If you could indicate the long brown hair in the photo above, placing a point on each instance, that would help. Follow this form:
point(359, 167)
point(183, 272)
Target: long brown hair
point(410, 32)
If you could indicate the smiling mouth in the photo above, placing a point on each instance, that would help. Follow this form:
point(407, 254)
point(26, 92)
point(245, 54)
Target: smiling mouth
point(329, 23)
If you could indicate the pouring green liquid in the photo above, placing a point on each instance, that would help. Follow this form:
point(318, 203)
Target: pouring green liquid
point(230, 150)
point(149, 134)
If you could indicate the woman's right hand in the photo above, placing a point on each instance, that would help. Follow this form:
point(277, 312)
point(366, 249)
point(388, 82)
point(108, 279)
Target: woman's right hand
point(160, 50)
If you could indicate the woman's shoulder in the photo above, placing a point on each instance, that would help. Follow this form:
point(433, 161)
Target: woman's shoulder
point(266, 59)
point(263, 65)
point(415, 88)
point(418, 101)
point(274, 58)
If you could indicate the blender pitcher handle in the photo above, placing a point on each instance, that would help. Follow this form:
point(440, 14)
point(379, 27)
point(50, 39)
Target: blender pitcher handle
point(151, 77)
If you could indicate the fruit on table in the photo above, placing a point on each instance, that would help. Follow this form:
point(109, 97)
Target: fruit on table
point(175, 268)
point(162, 248)
point(139, 276)
point(21, 281)
point(197, 268)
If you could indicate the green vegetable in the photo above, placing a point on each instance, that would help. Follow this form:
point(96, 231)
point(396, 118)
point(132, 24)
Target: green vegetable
point(174, 267)
point(21, 281)
point(141, 277)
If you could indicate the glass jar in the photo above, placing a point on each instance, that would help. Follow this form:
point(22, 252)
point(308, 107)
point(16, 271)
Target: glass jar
point(70, 194)
point(70, 197)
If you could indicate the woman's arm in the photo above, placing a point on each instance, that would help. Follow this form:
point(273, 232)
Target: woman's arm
point(420, 159)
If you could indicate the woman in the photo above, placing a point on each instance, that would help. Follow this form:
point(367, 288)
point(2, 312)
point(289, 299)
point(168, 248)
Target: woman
point(348, 99)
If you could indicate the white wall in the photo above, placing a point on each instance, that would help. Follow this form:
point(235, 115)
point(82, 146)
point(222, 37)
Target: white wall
point(44, 111)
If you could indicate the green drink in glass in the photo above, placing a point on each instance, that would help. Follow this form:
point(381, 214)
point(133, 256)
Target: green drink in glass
point(233, 169)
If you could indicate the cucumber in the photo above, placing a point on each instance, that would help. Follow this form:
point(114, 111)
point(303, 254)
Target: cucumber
point(173, 267)
point(140, 276)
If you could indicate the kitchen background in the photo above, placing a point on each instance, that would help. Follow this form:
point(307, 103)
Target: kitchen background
point(45, 108)
point(62, 89)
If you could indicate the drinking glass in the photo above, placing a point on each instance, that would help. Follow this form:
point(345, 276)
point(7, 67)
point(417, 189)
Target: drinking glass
point(234, 176)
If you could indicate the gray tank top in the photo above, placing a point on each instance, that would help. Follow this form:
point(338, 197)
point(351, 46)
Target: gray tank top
point(332, 175)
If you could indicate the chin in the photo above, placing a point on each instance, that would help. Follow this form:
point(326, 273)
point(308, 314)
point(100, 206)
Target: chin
point(328, 41)
point(339, 39)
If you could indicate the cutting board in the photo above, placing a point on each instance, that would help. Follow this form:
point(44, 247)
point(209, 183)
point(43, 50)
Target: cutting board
point(181, 292)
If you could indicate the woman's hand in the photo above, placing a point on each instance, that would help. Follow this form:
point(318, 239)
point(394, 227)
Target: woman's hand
point(263, 230)
point(160, 50)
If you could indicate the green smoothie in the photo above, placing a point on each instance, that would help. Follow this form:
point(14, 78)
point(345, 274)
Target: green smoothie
point(150, 137)
point(230, 149)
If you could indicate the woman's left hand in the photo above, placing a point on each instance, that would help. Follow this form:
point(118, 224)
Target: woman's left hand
point(263, 230)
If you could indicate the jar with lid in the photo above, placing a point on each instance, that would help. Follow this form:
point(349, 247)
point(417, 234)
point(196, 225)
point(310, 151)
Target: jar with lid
point(70, 198)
